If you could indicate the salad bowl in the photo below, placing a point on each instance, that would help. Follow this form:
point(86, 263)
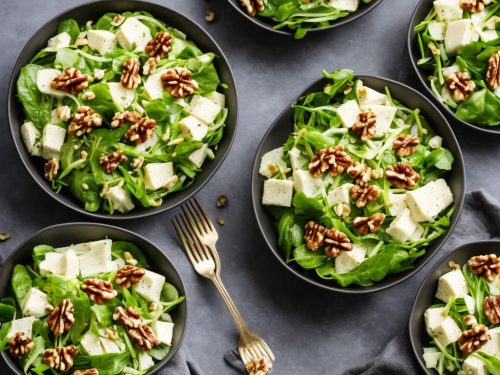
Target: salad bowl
point(189, 185)
point(278, 134)
point(426, 298)
point(72, 233)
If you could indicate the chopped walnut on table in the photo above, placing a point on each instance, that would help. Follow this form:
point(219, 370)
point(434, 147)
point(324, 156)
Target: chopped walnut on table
point(473, 338)
point(128, 275)
point(130, 77)
point(141, 131)
point(61, 318)
point(405, 144)
point(474, 6)
point(50, 169)
point(84, 121)
point(142, 334)
point(177, 81)
point(253, 6)
point(20, 344)
point(61, 359)
point(332, 159)
point(461, 86)
point(332, 240)
point(487, 266)
point(98, 290)
point(160, 45)
point(402, 175)
point(493, 73)
point(372, 223)
point(111, 161)
point(491, 308)
point(365, 126)
point(71, 81)
point(257, 366)
point(364, 194)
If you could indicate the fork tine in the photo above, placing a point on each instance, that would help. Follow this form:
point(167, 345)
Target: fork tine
point(193, 219)
point(263, 352)
point(267, 349)
point(197, 247)
point(184, 240)
point(202, 224)
point(204, 214)
point(244, 355)
point(253, 353)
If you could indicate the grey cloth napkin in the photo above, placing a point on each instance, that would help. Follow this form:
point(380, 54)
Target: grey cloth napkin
point(480, 220)
point(181, 364)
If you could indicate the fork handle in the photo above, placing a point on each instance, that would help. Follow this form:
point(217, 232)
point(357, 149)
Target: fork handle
point(230, 304)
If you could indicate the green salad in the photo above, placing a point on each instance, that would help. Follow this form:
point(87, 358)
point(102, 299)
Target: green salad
point(464, 336)
point(91, 306)
point(460, 46)
point(358, 190)
point(302, 15)
point(125, 110)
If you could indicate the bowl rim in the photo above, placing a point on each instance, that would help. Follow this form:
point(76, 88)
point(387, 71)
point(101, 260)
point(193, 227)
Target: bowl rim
point(76, 206)
point(410, 39)
point(267, 25)
point(428, 276)
point(159, 365)
point(374, 287)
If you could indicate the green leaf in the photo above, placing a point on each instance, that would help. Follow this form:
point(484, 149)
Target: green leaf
point(21, 283)
point(440, 158)
point(482, 108)
point(71, 27)
point(119, 247)
point(308, 259)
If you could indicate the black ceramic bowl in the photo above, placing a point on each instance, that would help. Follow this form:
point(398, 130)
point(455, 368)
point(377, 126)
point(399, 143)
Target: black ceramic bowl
point(425, 296)
point(278, 134)
point(269, 24)
point(65, 234)
point(92, 11)
point(423, 8)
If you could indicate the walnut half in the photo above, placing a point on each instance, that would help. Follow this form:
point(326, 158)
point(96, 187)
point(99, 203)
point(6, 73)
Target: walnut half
point(493, 73)
point(61, 318)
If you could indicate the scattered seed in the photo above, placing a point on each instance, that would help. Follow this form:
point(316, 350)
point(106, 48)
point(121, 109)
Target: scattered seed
point(88, 95)
point(453, 265)
point(222, 201)
point(85, 186)
point(84, 155)
point(4, 236)
point(210, 16)
point(220, 220)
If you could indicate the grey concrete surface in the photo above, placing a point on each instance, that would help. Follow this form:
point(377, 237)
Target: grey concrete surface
point(311, 331)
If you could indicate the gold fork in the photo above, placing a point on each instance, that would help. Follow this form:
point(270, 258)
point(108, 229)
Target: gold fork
point(199, 236)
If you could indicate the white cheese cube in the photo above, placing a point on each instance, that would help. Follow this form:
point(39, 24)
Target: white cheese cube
point(449, 70)
point(120, 199)
point(101, 41)
point(488, 35)
point(121, 96)
point(348, 5)
point(153, 87)
point(34, 304)
point(70, 265)
point(495, 286)
point(145, 361)
point(24, 325)
point(431, 357)
point(402, 227)
point(109, 346)
point(79, 249)
point(52, 264)
point(31, 137)
point(367, 96)
point(417, 233)
point(150, 286)
point(474, 366)
point(471, 304)
point(384, 116)
point(61, 40)
point(204, 109)
point(150, 142)
point(193, 128)
point(304, 182)
point(348, 260)
point(277, 192)
point(157, 175)
point(91, 344)
point(433, 318)
point(437, 30)
point(396, 203)
point(427, 202)
point(448, 331)
point(44, 79)
point(217, 98)
point(341, 194)
point(271, 162)
point(348, 113)
point(97, 260)
point(452, 284)
point(448, 9)
point(52, 141)
point(492, 346)
point(436, 142)
point(198, 157)
point(458, 34)
point(296, 159)
point(133, 35)
point(164, 331)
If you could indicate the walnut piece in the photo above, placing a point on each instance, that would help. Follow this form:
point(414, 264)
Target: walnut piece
point(84, 121)
point(491, 308)
point(487, 266)
point(130, 78)
point(365, 125)
point(142, 334)
point(141, 131)
point(20, 345)
point(120, 118)
point(149, 66)
point(177, 81)
point(493, 73)
point(253, 6)
point(128, 275)
point(473, 338)
point(63, 113)
point(314, 235)
point(474, 6)
point(61, 318)
point(402, 175)
point(71, 81)
point(372, 223)
point(364, 194)
point(98, 290)
point(90, 371)
point(362, 173)
point(335, 242)
point(61, 358)
point(159, 45)
point(51, 168)
point(257, 366)
point(332, 159)
point(461, 86)
point(117, 20)
point(111, 161)
point(129, 318)
point(405, 144)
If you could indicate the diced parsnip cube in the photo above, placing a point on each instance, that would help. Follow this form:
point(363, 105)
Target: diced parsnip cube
point(145, 361)
point(204, 109)
point(31, 137)
point(417, 234)
point(448, 331)
point(348, 260)
point(433, 317)
point(471, 304)
point(436, 142)
point(474, 366)
point(448, 9)
point(437, 30)
point(431, 357)
point(198, 157)
point(59, 41)
point(492, 346)
point(402, 227)
point(341, 194)
point(52, 141)
point(133, 35)
point(153, 87)
point(304, 182)
point(277, 192)
point(91, 344)
point(164, 331)
point(150, 286)
point(396, 203)
point(458, 35)
point(427, 202)
point(101, 41)
point(348, 5)
point(193, 128)
point(452, 284)
point(97, 260)
point(121, 96)
point(271, 162)
point(52, 264)
point(296, 159)
point(70, 265)
point(24, 325)
point(367, 96)
point(217, 98)
point(157, 175)
point(120, 199)
point(44, 79)
point(348, 113)
point(35, 303)
point(384, 116)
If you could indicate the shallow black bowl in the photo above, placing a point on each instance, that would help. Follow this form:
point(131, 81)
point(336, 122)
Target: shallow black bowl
point(423, 8)
point(268, 24)
point(425, 296)
point(92, 11)
point(278, 134)
point(65, 234)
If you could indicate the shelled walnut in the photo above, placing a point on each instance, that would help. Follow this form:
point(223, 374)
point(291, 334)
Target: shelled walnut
point(141, 333)
point(372, 223)
point(177, 81)
point(160, 45)
point(90, 371)
point(473, 338)
point(332, 159)
point(461, 86)
point(111, 161)
point(405, 144)
point(366, 125)
point(364, 194)
point(20, 344)
point(361, 173)
point(474, 6)
point(491, 308)
point(402, 175)
point(128, 275)
point(50, 169)
point(130, 77)
point(487, 266)
point(141, 131)
point(98, 290)
point(335, 242)
point(253, 6)
point(71, 81)
point(120, 118)
point(314, 235)
point(493, 72)
point(61, 359)
point(257, 366)
point(61, 318)
point(84, 121)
